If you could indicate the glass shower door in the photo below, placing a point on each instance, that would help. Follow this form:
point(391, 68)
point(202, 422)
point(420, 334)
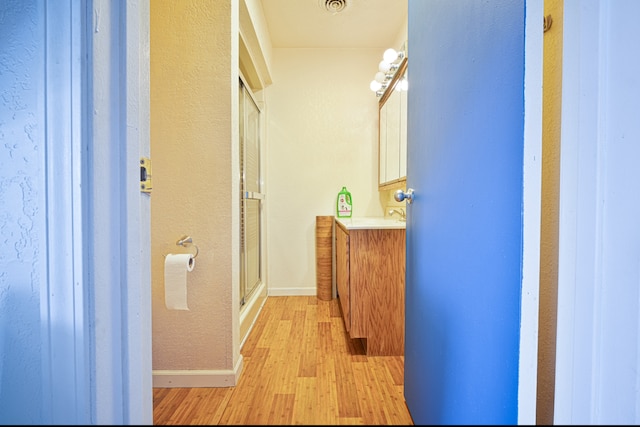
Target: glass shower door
point(251, 195)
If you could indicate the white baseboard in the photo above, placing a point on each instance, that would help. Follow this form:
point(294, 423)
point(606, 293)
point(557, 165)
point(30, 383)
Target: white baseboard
point(197, 378)
point(292, 292)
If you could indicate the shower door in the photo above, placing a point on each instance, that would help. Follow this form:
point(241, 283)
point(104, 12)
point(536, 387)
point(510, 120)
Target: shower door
point(251, 195)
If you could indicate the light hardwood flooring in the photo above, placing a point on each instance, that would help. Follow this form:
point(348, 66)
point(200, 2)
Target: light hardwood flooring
point(300, 367)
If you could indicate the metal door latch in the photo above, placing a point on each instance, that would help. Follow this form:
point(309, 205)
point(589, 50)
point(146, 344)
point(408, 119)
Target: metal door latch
point(145, 175)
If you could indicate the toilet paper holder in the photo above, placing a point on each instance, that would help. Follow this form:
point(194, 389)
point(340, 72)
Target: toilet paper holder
point(187, 240)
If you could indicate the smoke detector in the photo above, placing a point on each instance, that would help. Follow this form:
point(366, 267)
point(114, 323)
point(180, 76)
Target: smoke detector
point(333, 6)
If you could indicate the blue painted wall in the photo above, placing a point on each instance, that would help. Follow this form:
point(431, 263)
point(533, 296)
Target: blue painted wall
point(22, 222)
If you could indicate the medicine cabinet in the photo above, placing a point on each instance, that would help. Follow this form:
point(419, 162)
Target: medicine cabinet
point(392, 145)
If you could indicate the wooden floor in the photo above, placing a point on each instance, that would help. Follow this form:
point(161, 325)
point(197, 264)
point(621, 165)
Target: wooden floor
point(300, 367)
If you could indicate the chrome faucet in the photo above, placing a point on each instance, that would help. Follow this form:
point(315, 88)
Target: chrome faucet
point(401, 212)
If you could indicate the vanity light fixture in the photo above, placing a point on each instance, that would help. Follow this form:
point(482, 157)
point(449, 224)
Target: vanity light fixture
point(386, 67)
point(382, 76)
point(386, 70)
point(376, 86)
point(391, 56)
point(404, 84)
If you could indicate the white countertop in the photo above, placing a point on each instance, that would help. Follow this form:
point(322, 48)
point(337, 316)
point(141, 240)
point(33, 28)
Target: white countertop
point(363, 222)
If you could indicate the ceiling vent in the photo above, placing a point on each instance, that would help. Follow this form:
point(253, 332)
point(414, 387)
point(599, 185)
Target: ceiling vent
point(333, 6)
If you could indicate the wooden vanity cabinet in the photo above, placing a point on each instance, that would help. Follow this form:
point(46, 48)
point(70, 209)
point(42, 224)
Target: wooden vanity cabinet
point(370, 281)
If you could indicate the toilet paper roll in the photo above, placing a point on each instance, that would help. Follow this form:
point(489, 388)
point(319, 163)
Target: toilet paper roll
point(176, 267)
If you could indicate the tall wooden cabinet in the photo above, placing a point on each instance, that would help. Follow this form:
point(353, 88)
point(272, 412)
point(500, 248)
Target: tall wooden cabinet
point(370, 277)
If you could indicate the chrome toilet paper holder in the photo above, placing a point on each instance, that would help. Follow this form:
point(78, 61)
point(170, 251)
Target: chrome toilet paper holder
point(186, 241)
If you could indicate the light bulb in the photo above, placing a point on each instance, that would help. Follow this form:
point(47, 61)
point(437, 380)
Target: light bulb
point(390, 55)
point(384, 66)
point(375, 85)
point(380, 76)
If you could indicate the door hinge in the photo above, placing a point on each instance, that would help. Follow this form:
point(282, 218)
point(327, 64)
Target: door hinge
point(146, 184)
point(546, 23)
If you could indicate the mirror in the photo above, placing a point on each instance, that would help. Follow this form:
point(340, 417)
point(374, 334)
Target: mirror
point(392, 143)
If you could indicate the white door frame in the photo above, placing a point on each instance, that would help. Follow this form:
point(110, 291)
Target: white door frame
point(64, 296)
point(598, 335)
point(117, 233)
point(96, 308)
point(531, 194)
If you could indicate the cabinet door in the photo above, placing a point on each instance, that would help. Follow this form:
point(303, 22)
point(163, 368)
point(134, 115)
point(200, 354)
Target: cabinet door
point(382, 145)
point(402, 159)
point(342, 274)
point(393, 106)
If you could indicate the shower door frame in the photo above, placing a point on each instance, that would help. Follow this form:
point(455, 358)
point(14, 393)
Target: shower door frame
point(247, 195)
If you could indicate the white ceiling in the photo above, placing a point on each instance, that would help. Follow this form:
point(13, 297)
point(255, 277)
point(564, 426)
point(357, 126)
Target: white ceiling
point(361, 24)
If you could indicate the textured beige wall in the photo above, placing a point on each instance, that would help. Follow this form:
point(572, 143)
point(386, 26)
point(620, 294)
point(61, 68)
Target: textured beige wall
point(194, 92)
point(322, 135)
point(552, 90)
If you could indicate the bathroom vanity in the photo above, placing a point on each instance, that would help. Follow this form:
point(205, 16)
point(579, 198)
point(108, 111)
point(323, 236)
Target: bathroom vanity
point(370, 280)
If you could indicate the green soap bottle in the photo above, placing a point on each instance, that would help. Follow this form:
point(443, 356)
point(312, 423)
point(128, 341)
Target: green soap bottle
point(344, 205)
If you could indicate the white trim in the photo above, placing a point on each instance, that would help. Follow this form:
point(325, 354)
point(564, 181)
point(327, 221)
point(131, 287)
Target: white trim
point(137, 235)
point(65, 354)
point(532, 190)
point(117, 234)
point(577, 221)
point(294, 292)
point(598, 336)
point(198, 378)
